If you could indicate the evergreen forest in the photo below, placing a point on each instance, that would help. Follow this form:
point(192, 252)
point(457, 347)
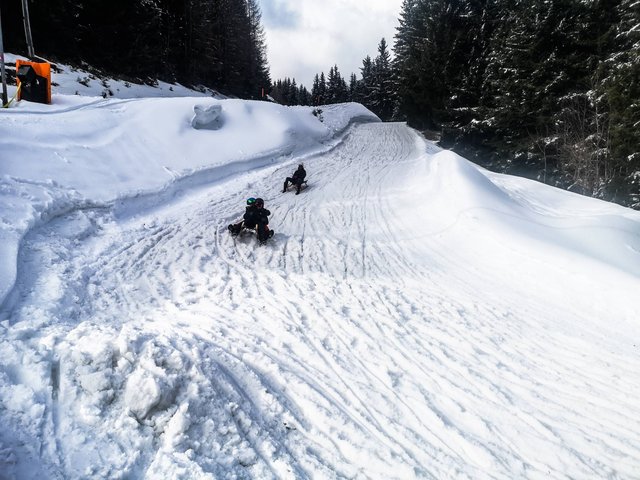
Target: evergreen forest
point(217, 44)
point(547, 89)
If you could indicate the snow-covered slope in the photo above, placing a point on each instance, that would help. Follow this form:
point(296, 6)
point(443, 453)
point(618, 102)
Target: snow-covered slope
point(86, 151)
point(413, 317)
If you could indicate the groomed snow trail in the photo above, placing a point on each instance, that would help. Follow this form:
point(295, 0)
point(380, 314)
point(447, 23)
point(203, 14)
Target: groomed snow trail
point(374, 337)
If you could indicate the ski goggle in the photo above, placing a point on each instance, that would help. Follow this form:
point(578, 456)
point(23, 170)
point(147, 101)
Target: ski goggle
point(251, 201)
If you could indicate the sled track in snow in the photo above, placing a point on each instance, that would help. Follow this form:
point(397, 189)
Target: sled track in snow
point(352, 345)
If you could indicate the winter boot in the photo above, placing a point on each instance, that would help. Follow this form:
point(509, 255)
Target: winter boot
point(234, 230)
point(265, 235)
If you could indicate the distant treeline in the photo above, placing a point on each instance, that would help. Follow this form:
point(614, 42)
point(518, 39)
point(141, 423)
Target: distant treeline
point(214, 43)
point(548, 89)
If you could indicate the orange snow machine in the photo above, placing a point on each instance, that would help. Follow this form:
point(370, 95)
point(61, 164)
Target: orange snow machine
point(34, 81)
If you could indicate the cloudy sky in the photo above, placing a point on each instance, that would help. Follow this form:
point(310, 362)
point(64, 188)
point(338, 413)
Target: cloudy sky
point(305, 37)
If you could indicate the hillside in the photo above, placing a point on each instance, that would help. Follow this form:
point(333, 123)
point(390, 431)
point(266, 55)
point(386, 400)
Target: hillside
point(414, 316)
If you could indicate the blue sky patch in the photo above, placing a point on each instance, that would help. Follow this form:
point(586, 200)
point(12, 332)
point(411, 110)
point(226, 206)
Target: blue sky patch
point(278, 14)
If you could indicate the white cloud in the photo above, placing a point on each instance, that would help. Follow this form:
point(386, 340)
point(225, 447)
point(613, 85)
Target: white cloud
point(305, 37)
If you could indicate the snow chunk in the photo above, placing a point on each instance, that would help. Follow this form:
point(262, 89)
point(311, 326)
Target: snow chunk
point(207, 117)
point(176, 427)
point(142, 394)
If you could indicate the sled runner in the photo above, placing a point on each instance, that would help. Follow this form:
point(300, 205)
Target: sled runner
point(239, 229)
point(303, 185)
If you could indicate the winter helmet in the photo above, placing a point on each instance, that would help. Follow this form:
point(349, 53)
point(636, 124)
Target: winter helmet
point(259, 202)
point(251, 201)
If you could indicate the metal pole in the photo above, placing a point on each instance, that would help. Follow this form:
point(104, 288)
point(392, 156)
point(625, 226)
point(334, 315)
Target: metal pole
point(4, 76)
point(27, 29)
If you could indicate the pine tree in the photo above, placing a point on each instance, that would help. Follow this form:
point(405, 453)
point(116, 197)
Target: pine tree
point(365, 87)
point(50, 28)
point(431, 56)
point(292, 93)
point(533, 64)
point(579, 140)
point(622, 87)
point(381, 98)
point(336, 87)
point(276, 91)
point(353, 87)
point(412, 81)
point(304, 97)
point(322, 90)
point(472, 29)
point(316, 91)
point(259, 68)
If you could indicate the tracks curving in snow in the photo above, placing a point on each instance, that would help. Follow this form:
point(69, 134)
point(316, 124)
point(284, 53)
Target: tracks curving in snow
point(369, 339)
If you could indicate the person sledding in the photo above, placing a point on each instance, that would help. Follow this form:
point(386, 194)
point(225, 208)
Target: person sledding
point(296, 179)
point(255, 217)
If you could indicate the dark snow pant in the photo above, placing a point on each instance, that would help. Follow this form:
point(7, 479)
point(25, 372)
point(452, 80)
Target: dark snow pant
point(294, 181)
point(235, 228)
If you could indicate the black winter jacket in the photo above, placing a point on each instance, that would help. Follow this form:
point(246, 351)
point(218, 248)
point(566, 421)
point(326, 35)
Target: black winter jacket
point(255, 215)
point(299, 174)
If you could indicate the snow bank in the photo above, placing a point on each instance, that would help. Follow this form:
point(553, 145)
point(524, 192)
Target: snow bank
point(461, 195)
point(82, 151)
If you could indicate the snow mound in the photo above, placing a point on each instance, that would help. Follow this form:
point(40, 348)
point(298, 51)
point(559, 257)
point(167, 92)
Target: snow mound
point(207, 117)
point(465, 195)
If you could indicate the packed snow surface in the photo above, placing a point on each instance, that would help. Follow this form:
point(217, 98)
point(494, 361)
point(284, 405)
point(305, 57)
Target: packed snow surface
point(414, 316)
